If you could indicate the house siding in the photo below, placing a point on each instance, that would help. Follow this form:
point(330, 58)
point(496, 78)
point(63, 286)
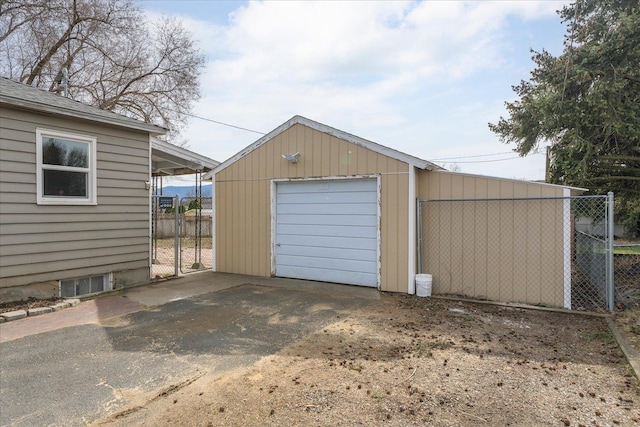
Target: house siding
point(54, 242)
point(243, 199)
point(509, 251)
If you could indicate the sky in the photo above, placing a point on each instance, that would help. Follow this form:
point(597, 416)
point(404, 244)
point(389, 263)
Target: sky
point(424, 78)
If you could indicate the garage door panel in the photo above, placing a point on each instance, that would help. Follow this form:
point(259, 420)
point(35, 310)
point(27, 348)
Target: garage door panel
point(328, 231)
point(346, 265)
point(337, 186)
point(323, 275)
point(314, 251)
point(337, 198)
point(347, 220)
point(324, 209)
point(325, 230)
point(328, 242)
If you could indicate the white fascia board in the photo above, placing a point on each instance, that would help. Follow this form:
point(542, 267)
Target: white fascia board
point(381, 149)
point(188, 156)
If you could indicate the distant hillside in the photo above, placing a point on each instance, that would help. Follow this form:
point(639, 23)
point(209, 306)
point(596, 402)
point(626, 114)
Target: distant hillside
point(188, 191)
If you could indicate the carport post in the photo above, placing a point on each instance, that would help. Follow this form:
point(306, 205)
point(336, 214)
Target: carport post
point(176, 236)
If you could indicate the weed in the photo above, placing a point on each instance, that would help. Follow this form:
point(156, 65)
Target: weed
point(426, 348)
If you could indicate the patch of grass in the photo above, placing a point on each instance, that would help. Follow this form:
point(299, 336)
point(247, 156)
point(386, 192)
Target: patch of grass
point(626, 250)
point(604, 337)
point(357, 368)
point(377, 395)
point(425, 349)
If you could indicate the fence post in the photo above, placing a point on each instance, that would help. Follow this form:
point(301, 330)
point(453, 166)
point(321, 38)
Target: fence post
point(176, 235)
point(609, 252)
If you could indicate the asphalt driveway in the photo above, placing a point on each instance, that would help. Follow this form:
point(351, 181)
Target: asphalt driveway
point(75, 374)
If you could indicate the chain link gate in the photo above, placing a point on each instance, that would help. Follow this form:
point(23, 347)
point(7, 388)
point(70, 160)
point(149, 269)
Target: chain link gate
point(164, 239)
point(195, 230)
point(555, 252)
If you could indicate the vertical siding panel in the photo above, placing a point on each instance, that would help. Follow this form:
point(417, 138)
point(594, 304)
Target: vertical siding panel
point(468, 240)
point(343, 159)
point(334, 150)
point(307, 152)
point(493, 240)
point(235, 221)
point(388, 252)
point(292, 170)
point(402, 219)
point(533, 242)
point(318, 154)
point(325, 165)
point(372, 161)
point(218, 217)
point(272, 151)
point(254, 238)
point(361, 158)
point(520, 242)
point(506, 243)
point(261, 158)
point(481, 234)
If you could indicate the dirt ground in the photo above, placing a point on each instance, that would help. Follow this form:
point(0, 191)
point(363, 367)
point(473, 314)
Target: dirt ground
point(406, 360)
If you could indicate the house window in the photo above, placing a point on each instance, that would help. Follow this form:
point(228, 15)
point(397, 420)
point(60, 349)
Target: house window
point(66, 171)
point(84, 285)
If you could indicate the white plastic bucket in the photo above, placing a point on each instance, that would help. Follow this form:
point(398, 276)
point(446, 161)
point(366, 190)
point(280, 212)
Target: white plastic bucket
point(423, 285)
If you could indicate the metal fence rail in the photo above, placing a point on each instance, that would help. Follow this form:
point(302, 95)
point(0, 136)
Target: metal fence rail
point(525, 250)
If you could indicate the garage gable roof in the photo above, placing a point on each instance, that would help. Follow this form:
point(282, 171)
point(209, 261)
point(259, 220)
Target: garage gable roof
point(25, 97)
point(381, 149)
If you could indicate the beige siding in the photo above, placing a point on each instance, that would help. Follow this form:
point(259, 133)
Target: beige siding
point(243, 199)
point(508, 251)
point(44, 242)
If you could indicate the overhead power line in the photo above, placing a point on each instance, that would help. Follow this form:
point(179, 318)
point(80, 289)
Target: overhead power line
point(489, 161)
point(469, 157)
point(220, 123)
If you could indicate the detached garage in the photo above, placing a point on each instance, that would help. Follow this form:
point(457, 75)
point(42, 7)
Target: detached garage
point(312, 202)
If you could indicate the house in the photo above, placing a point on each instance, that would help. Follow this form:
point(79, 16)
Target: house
point(74, 194)
point(309, 201)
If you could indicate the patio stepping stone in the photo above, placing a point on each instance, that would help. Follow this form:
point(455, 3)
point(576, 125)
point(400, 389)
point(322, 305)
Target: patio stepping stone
point(14, 315)
point(39, 310)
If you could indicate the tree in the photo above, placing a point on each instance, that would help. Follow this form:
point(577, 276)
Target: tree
point(116, 59)
point(586, 104)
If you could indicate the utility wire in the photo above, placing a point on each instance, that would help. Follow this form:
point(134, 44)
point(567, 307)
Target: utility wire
point(469, 157)
point(489, 161)
point(218, 122)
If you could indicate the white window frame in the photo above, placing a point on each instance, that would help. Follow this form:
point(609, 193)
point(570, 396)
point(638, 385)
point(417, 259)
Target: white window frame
point(43, 199)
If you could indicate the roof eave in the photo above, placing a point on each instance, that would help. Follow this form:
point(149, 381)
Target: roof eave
point(154, 130)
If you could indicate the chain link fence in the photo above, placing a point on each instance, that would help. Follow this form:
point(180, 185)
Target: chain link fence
point(196, 221)
point(539, 251)
point(163, 237)
point(626, 261)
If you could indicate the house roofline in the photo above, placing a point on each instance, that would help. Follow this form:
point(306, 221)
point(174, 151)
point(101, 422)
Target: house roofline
point(29, 98)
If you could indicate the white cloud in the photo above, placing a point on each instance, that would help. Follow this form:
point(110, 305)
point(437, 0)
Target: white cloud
point(398, 73)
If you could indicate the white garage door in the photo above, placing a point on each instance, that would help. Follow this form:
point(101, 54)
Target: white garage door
point(328, 231)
